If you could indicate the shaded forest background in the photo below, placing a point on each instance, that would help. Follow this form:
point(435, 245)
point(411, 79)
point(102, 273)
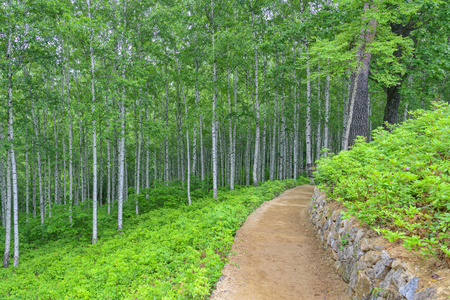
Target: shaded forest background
point(102, 100)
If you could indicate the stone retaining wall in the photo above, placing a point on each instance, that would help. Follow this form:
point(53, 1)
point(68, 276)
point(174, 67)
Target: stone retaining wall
point(372, 267)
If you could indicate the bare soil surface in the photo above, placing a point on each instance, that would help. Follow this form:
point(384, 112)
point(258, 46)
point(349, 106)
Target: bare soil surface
point(275, 255)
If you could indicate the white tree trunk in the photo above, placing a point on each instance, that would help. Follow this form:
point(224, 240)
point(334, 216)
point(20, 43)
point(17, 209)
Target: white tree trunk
point(7, 212)
point(273, 153)
point(57, 172)
point(187, 140)
point(350, 114)
point(3, 183)
point(257, 135)
point(214, 121)
point(247, 147)
point(28, 181)
point(166, 160)
point(69, 121)
point(121, 165)
point(147, 156)
point(319, 119)
point(282, 137)
point(264, 137)
point(326, 142)
point(296, 120)
point(15, 192)
point(94, 140)
point(308, 116)
point(233, 144)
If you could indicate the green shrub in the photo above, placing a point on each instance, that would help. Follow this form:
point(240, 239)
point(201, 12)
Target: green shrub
point(399, 184)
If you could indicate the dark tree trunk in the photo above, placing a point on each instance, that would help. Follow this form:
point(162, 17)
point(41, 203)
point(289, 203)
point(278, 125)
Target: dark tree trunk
point(393, 92)
point(360, 114)
point(392, 103)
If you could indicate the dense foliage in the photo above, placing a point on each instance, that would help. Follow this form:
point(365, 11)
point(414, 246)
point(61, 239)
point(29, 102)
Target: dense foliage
point(399, 184)
point(174, 251)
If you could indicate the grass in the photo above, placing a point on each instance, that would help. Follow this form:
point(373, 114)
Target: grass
point(171, 251)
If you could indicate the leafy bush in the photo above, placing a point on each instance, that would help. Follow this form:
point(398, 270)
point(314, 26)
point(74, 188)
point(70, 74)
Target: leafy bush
point(399, 184)
point(172, 251)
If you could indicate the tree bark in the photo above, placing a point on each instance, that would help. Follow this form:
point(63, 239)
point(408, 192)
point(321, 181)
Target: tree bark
point(214, 122)
point(257, 137)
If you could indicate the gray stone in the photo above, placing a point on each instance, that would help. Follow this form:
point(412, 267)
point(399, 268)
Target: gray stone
point(399, 278)
point(371, 258)
point(338, 222)
point(341, 254)
point(365, 245)
point(333, 254)
point(387, 261)
point(359, 235)
point(352, 234)
point(380, 270)
point(362, 264)
point(335, 215)
point(393, 295)
point(386, 283)
point(329, 238)
point(396, 264)
point(363, 286)
point(359, 253)
point(379, 247)
point(348, 252)
point(409, 290)
point(353, 278)
point(341, 232)
point(371, 273)
point(221, 278)
point(335, 246)
point(325, 226)
point(347, 270)
point(428, 294)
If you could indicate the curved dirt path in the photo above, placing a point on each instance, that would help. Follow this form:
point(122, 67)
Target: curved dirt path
point(275, 255)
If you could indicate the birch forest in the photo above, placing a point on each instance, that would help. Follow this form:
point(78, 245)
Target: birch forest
point(104, 102)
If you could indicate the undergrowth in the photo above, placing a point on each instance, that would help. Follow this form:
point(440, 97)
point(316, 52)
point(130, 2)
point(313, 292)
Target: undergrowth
point(170, 251)
point(399, 183)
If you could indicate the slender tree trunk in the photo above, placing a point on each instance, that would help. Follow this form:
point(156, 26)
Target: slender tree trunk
point(296, 118)
point(121, 165)
point(166, 161)
point(12, 161)
point(326, 143)
point(187, 139)
point(247, 147)
point(69, 121)
point(257, 137)
point(273, 153)
point(214, 121)
point(7, 212)
point(94, 140)
point(28, 181)
point(57, 172)
point(64, 157)
point(147, 156)
point(233, 143)
point(319, 119)
point(3, 182)
point(308, 117)
point(350, 115)
point(282, 137)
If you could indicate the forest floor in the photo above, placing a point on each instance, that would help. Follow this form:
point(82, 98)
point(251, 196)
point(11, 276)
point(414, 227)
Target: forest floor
point(275, 255)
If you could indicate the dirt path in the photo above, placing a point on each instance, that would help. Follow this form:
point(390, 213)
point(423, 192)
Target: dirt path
point(276, 256)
